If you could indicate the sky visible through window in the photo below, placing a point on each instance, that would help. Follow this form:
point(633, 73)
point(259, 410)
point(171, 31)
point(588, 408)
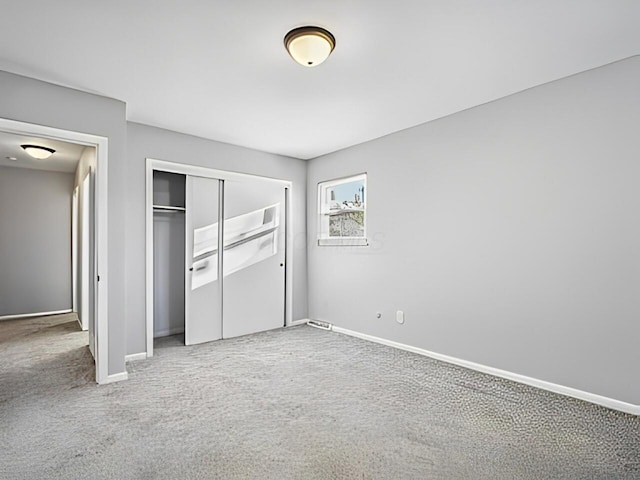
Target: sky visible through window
point(347, 191)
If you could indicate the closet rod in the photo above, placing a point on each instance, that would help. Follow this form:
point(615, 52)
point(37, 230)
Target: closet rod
point(168, 208)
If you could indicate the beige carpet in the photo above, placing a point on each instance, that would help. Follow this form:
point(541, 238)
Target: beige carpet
point(298, 403)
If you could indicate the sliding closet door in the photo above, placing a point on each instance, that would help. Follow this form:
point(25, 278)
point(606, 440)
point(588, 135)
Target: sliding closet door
point(254, 257)
point(203, 308)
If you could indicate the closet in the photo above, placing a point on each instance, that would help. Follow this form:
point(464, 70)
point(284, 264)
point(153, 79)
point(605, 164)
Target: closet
point(219, 251)
point(168, 253)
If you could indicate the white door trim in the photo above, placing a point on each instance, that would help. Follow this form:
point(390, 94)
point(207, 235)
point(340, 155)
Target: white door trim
point(163, 165)
point(100, 218)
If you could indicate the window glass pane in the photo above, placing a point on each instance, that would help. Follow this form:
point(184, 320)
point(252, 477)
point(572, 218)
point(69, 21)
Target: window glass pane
point(346, 224)
point(342, 208)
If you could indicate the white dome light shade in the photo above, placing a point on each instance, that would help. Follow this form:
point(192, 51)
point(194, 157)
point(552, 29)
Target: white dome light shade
point(36, 151)
point(309, 46)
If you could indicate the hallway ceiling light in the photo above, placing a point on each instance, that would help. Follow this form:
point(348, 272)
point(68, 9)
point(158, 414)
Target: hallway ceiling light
point(36, 151)
point(309, 46)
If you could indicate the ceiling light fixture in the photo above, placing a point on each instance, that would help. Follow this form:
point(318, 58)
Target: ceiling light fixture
point(36, 151)
point(309, 46)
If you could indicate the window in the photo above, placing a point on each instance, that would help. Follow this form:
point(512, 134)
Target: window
point(342, 211)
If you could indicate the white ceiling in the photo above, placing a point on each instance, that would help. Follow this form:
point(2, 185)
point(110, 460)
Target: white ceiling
point(218, 69)
point(65, 159)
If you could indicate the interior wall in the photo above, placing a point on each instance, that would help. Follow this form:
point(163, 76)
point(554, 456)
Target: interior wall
point(33, 101)
point(149, 142)
point(509, 235)
point(35, 244)
point(168, 274)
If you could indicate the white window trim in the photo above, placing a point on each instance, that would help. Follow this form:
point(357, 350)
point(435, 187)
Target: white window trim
point(323, 236)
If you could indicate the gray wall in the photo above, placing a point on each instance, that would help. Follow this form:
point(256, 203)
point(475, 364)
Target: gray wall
point(144, 141)
point(32, 101)
point(35, 244)
point(509, 234)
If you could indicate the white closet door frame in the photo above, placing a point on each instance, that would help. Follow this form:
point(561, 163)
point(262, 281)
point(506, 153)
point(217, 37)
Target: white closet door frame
point(185, 169)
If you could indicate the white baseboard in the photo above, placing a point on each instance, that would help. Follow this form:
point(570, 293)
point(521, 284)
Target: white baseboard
point(534, 382)
point(116, 377)
point(39, 314)
point(302, 321)
point(135, 356)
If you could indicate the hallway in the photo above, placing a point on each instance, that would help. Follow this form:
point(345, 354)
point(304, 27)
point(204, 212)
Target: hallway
point(40, 353)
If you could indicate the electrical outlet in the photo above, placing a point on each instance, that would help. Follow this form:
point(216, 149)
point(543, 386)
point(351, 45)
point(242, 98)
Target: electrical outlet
point(400, 316)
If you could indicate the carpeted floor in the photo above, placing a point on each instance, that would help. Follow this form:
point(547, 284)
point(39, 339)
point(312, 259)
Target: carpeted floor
point(299, 403)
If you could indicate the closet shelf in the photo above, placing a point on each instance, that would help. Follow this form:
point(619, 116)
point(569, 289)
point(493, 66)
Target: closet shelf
point(169, 208)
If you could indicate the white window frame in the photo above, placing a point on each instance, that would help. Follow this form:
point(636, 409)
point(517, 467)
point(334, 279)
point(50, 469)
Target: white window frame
point(323, 213)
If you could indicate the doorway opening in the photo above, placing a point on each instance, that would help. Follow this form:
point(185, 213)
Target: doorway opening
point(55, 238)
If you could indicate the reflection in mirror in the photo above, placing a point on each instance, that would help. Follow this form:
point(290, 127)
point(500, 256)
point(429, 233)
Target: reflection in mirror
point(248, 239)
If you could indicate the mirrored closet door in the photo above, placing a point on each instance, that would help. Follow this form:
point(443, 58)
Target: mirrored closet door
point(203, 306)
point(214, 279)
point(254, 257)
